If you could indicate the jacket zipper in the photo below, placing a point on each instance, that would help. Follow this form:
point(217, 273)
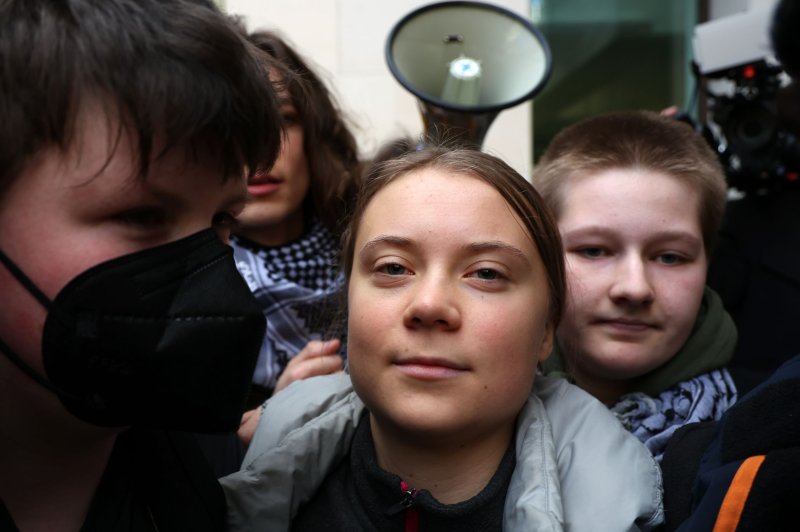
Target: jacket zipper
point(407, 504)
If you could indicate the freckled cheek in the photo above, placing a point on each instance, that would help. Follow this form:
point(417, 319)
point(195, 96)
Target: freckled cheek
point(683, 292)
point(357, 340)
point(510, 385)
point(510, 354)
point(495, 333)
point(698, 282)
point(368, 326)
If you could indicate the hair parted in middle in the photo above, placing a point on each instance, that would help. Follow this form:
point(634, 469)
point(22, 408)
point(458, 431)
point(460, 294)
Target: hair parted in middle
point(630, 140)
point(329, 145)
point(520, 195)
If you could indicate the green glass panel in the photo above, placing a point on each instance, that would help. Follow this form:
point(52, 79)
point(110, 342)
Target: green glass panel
point(612, 55)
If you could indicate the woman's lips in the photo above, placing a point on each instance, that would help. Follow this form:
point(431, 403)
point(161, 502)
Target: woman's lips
point(429, 369)
point(263, 184)
point(262, 189)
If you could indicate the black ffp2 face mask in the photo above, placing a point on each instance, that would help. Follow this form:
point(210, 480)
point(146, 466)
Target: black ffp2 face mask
point(164, 338)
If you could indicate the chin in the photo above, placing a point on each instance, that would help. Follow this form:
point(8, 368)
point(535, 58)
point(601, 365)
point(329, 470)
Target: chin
point(433, 432)
point(422, 418)
point(629, 364)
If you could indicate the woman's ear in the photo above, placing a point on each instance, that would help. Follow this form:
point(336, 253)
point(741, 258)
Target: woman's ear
point(548, 340)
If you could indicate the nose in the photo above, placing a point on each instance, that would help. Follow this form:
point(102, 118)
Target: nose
point(433, 304)
point(632, 283)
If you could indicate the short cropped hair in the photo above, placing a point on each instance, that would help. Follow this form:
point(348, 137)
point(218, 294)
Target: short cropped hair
point(328, 144)
point(636, 139)
point(519, 193)
point(173, 70)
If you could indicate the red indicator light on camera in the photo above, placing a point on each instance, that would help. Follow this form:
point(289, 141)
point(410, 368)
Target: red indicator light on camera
point(791, 176)
point(749, 72)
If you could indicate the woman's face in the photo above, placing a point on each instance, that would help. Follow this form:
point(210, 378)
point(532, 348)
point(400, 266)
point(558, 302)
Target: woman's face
point(274, 212)
point(448, 309)
point(636, 269)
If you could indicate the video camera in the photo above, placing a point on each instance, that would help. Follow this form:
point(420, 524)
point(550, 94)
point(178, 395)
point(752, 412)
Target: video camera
point(743, 84)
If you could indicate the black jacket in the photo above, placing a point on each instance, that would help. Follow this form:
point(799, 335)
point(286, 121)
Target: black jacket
point(743, 468)
point(155, 481)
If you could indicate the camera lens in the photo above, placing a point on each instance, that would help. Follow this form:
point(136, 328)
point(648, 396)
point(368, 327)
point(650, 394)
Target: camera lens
point(751, 127)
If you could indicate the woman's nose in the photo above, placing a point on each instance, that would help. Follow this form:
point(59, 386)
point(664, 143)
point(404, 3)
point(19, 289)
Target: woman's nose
point(433, 304)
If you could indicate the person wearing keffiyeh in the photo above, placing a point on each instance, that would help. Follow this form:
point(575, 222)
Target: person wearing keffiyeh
point(300, 288)
point(639, 199)
point(286, 240)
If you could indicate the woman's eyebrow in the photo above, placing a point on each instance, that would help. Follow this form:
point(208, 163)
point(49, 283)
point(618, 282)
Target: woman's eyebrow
point(472, 247)
point(497, 245)
point(390, 240)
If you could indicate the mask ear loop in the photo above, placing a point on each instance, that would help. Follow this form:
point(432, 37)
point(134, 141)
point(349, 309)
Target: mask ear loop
point(48, 305)
point(27, 369)
point(25, 281)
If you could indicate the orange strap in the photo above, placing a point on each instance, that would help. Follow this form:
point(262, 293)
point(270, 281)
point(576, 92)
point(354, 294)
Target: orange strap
point(732, 506)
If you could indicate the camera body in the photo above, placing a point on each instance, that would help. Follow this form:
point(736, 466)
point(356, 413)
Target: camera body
point(757, 151)
point(733, 58)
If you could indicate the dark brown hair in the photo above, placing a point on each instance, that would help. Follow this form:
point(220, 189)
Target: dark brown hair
point(329, 146)
point(173, 69)
point(518, 193)
point(635, 139)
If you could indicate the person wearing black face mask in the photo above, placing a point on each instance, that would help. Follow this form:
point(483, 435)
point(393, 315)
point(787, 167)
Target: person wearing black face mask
point(124, 132)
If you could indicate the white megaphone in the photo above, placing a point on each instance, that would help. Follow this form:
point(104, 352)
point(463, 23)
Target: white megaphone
point(466, 62)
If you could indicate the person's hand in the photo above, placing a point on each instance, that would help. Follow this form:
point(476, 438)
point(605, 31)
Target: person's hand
point(670, 112)
point(316, 358)
point(248, 425)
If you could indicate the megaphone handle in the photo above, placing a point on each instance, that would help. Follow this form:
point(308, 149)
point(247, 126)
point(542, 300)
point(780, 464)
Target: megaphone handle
point(455, 127)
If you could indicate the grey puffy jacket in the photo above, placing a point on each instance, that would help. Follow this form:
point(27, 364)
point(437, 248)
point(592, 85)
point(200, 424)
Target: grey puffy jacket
point(577, 468)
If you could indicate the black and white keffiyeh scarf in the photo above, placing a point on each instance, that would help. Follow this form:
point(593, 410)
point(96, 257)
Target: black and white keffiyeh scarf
point(653, 419)
point(301, 291)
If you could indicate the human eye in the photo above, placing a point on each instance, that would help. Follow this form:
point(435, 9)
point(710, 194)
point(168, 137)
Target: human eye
point(289, 116)
point(487, 274)
point(290, 119)
point(143, 218)
point(390, 273)
point(670, 259)
point(591, 252)
point(392, 268)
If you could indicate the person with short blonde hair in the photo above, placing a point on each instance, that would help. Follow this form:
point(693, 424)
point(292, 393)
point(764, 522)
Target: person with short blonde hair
point(639, 199)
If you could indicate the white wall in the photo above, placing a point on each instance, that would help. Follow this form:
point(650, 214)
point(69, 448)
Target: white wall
point(723, 8)
point(345, 39)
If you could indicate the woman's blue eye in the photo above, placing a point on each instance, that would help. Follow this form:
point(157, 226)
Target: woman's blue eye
point(393, 269)
point(592, 253)
point(487, 274)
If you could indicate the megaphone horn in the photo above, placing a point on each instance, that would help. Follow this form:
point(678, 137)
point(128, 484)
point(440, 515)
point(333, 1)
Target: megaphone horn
point(465, 62)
